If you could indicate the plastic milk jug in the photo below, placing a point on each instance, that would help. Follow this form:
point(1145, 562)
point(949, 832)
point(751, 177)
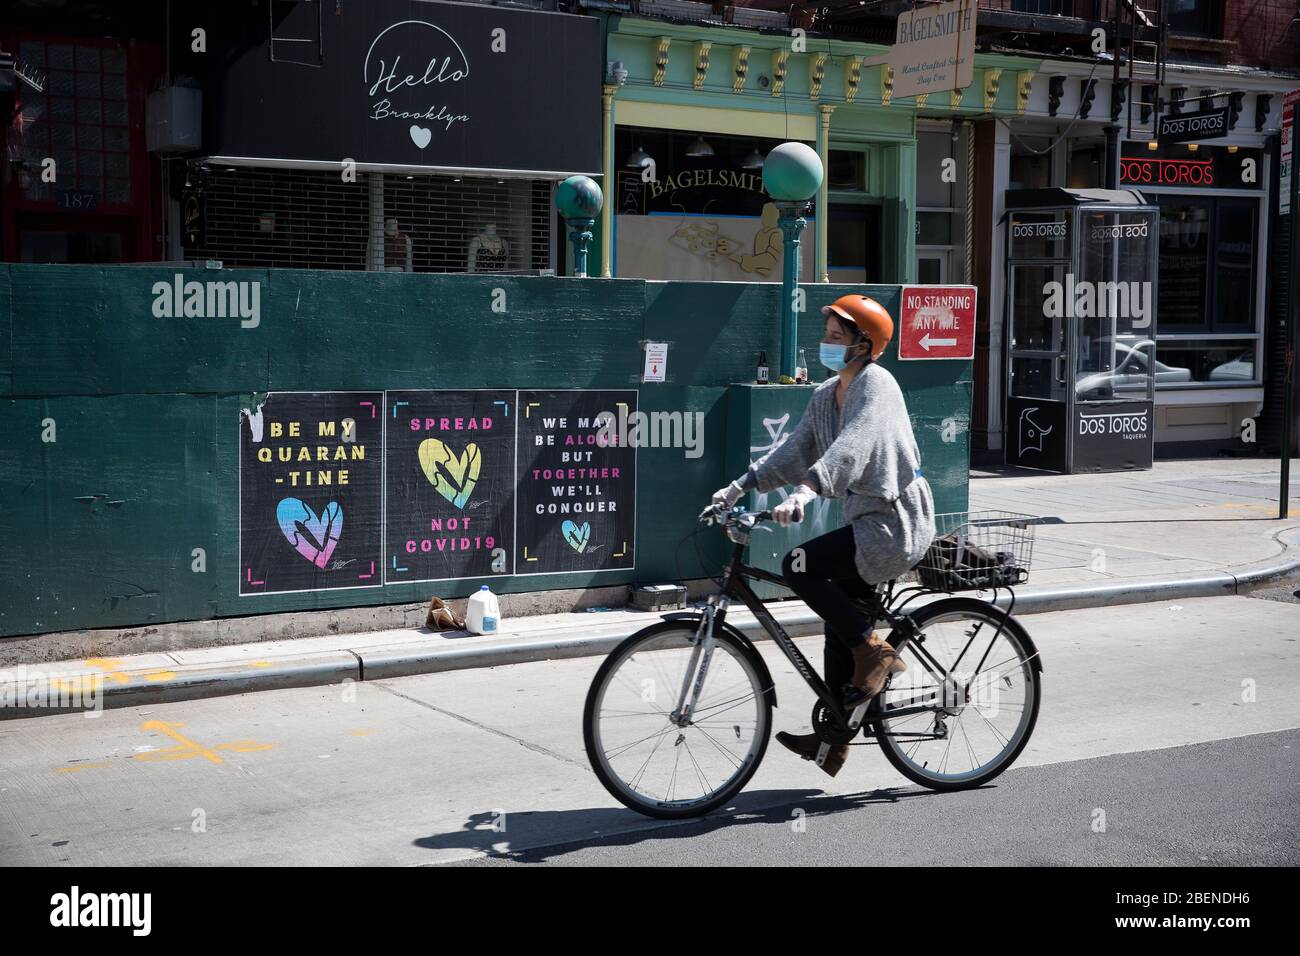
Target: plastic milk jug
point(483, 615)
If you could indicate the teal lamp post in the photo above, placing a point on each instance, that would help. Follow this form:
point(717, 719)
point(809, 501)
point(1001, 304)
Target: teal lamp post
point(792, 174)
point(579, 200)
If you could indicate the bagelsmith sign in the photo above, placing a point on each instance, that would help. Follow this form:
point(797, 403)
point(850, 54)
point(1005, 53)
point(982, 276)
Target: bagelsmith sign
point(934, 49)
point(411, 83)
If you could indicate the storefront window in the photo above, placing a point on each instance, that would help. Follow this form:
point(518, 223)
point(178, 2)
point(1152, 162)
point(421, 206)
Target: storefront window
point(1184, 261)
point(1087, 166)
point(937, 221)
point(1207, 306)
point(1193, 16)
point(1031, 162)
point(80, 121)
point(853, 242)
point(692, 206)
point(1207, 286)
point(847, 170)
point(1212, 362)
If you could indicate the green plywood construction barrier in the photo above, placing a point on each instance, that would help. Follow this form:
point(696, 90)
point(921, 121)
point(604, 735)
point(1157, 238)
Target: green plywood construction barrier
point(106, 525)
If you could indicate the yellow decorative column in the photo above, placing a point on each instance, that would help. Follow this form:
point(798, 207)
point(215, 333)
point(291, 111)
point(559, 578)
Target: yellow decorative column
point(824, 111)
point(607, 211)
point(779, 56)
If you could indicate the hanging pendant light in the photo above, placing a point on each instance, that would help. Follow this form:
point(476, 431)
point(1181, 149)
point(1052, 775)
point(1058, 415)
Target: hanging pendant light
point(699, 149)
point(753, 161)
point(638, 159)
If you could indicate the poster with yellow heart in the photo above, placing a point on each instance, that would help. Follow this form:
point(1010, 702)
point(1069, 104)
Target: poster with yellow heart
point(450, 492)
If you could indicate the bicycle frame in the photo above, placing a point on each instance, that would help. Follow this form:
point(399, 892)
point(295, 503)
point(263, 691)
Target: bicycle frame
point(735, 586)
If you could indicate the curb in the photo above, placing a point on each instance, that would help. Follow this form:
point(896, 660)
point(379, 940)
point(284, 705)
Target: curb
point(412, 657)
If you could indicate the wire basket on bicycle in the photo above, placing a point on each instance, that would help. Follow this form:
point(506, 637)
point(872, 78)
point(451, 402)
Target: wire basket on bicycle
point(975, 550)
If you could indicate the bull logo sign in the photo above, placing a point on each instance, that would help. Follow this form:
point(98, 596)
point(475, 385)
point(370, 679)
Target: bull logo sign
point(1031, 433)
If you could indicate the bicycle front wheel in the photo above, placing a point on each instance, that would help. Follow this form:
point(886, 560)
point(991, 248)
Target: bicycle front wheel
point(973, 689)
point(665, 768)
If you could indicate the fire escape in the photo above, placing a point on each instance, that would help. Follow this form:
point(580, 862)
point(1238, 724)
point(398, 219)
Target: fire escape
point(1140, 36)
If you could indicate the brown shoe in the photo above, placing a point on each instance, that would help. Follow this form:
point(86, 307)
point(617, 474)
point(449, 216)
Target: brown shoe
point(807, 745)
point(873, 661)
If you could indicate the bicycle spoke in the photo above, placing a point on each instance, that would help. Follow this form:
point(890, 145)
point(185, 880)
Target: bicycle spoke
point(1001, 701)
point(653, 761)
point(667, 728)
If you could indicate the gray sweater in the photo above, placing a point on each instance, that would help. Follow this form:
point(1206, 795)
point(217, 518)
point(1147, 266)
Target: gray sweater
point(865, 452)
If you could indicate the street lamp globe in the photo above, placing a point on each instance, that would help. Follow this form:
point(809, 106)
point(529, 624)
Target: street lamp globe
point(578, 197)
point(792, 172)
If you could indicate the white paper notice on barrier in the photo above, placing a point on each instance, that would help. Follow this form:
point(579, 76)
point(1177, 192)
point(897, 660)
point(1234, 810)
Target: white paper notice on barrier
point(656, 361)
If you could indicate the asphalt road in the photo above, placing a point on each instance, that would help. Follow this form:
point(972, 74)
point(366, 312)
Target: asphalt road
point(1227, 803)
point(1177, 721)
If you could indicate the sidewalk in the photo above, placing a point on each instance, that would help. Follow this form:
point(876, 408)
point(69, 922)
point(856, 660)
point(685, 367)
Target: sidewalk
point(1185, 529)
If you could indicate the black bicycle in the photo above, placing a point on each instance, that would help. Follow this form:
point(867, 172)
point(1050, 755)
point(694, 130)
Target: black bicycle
point(678, 716)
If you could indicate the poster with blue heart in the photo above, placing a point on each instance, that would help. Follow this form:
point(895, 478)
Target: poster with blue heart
point(451, 484)
point(577, 482)
point(311, 492)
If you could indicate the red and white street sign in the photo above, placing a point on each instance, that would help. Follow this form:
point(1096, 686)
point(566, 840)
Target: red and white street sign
point(937, 322)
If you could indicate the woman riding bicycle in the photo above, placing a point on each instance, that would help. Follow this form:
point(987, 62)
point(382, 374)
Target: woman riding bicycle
point(854, 441)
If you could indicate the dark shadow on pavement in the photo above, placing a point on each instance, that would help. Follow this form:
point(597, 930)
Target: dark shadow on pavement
point(610, 826)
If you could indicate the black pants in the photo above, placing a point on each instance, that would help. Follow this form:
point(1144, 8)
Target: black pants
point(829, 575)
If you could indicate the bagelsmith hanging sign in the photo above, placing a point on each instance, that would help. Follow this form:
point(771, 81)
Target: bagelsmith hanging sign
point(407, 83)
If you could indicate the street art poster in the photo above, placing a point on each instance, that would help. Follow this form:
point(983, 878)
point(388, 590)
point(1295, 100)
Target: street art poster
point(310, 492)
point(576, 506)
point(450, 460)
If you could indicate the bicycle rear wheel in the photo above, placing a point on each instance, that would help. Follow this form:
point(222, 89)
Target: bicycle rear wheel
point(653, 765)
point(977, 670)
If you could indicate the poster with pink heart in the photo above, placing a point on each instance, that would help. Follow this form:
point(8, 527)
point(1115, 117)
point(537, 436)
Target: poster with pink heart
point(450, 488)
point(311, 492)
point(577, 481)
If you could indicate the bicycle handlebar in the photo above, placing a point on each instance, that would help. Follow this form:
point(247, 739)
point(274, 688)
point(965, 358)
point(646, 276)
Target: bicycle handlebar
point(732, 516)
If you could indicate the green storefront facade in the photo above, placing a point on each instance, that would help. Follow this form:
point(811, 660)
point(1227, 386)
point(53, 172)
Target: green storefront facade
point(715, 99)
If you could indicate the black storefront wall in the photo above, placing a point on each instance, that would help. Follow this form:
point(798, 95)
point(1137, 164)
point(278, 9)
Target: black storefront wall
point(403, 83)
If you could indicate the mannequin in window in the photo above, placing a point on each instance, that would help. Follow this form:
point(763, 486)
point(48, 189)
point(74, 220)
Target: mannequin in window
point(397, 248)
point(488, 252)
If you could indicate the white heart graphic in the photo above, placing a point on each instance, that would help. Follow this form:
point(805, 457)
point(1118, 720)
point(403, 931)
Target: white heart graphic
point(421, 136)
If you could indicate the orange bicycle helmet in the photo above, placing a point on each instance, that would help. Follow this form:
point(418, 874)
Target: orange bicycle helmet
point(868, 316)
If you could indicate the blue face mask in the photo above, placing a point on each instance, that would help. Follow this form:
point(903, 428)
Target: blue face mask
point(834, 357)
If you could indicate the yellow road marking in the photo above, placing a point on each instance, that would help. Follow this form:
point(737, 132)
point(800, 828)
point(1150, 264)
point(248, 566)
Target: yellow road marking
point(260, 664)
point(169, 730)
point(361, 732)
point(110, 668)
point(244, 746)
point(186, 749)
point(160, 676)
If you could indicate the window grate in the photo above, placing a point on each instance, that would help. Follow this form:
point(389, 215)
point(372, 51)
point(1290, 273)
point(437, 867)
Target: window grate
point(313, 220)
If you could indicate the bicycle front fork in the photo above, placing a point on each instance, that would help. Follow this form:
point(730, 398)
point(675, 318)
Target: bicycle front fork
point(698, 667)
